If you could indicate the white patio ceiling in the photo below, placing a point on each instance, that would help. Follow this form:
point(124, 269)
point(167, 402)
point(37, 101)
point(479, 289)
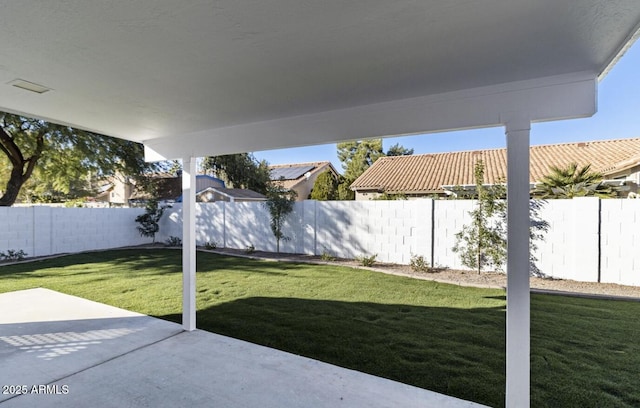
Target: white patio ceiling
point(213, 77)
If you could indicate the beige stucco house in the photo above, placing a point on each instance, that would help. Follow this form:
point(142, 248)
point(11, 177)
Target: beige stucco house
point(300, 177)
point(115, 191)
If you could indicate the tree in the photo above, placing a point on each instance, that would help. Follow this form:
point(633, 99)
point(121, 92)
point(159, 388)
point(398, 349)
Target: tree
point(59, 159)
point(484, 242)
point(357, 157)
point(398, 150)
point(280, 203)
point(573, 181)
point(149, 220)
point(241, 170)
point(325, 187)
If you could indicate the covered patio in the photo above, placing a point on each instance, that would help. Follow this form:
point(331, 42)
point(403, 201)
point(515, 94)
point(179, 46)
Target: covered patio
point(220, 77)
point(79, 353)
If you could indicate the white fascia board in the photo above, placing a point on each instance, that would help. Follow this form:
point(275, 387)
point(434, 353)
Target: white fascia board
point(229, 196)
point(543, 99)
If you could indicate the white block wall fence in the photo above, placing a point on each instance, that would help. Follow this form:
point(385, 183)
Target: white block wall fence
point(588, 240)
point(42, 230)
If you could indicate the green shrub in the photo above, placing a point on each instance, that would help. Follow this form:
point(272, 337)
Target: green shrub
point(13, 255)
point(326, 255)
point(418, 264)
point(365, 260)
point(211, 245)
point(250, 249)
point(174, 241)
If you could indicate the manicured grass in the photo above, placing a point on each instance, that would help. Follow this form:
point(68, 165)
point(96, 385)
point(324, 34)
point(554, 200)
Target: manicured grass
point(585, 352)
point(449, 339)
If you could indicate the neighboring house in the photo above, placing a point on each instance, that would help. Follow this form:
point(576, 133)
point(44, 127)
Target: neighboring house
point(440, 174)
point(300, 177)
point(208, 189)
point(115, 191)
point(233, 195)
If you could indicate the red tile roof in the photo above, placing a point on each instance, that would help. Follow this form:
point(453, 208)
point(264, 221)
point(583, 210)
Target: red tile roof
point(426, 173)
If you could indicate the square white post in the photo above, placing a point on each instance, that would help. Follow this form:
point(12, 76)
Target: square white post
point(189, 243)
point(518, 295)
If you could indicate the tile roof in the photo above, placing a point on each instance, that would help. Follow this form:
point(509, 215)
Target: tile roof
point(426, 173)
point(315, 167)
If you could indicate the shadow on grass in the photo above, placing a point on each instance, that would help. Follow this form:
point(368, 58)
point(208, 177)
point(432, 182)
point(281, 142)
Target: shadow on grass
point(584, 352)
point(458, 352)
point(160, 261)
point(503, 298)
point(133, 258)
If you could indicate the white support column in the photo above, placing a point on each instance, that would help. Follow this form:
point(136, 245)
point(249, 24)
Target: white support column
point(189, 243)
point(518, 295)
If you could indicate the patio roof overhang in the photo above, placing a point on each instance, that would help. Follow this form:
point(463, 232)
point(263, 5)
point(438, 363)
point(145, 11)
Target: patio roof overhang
point(225, 76)
point(216, 77)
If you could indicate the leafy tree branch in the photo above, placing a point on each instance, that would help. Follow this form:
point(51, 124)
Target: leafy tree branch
point(38, 158)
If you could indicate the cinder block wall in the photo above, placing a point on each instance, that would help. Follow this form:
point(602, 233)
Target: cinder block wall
point(42, 230)
point(449, 217)
point(588, 240)
point(620, 241)
point(570, 247)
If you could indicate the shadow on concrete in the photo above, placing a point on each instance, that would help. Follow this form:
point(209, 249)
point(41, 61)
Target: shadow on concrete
point(40, 352)
point(457, 352)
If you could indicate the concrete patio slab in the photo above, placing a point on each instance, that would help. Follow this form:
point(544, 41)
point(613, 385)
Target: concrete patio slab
point(80, 353)
point(46, 335)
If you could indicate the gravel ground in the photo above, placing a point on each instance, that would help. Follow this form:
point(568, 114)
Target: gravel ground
point(464, 278)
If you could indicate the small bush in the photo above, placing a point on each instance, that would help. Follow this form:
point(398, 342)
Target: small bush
point(174, 241)
point(367, 260)
point(250, 249)
point(13, 255)
point(419, 264)
point(326, 255)
point(77, 203)
point(211, 245)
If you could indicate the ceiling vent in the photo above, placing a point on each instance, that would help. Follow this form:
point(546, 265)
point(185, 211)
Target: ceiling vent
point(29, 86)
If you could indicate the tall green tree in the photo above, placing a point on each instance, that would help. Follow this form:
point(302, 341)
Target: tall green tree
point(573, 181)
point(344, 192)
point(357, 157)
point(280, 202)
point(325, 187)
point(241, 170)
point(58, 157)
point(399, 150)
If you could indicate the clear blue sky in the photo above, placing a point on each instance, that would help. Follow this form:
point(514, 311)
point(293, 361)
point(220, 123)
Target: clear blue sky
point(618, 117)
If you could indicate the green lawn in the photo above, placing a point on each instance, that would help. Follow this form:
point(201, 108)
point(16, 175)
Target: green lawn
point(449, 339)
